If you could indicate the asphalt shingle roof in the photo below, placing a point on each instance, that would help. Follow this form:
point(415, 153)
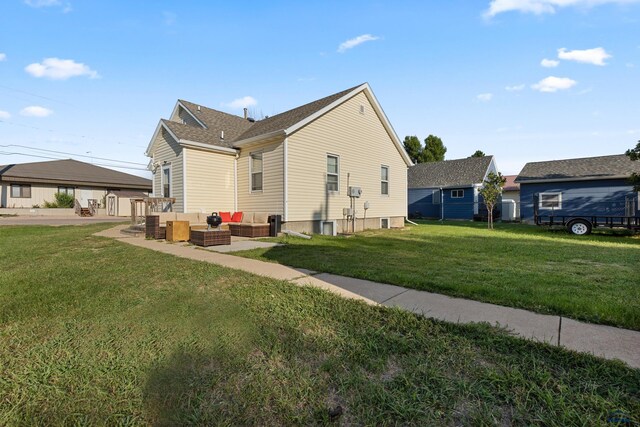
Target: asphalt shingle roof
point(238, 128)
point(288, 118)
point(603, 167)
point(449, 173)
point(217, 121)
point(197, 134)
point(72, 172)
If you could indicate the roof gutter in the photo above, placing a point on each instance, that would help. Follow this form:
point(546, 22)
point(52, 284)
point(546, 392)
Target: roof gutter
point(208, 147)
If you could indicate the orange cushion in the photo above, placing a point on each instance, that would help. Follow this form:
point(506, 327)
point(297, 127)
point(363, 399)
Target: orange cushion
point(226, 216)
point(237, 217)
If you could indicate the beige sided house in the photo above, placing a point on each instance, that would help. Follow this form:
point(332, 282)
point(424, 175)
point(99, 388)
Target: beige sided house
point(28, 185)
point(298, 164)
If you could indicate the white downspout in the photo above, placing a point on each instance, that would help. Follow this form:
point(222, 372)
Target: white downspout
point(184, 180)
point(285, 179)
point(235, 183)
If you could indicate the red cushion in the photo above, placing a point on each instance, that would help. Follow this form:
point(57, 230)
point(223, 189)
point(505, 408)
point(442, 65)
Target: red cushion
point(237, 217)
point(226, 216)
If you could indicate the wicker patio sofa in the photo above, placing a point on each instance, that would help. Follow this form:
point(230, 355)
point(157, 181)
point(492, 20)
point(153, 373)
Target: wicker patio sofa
point(253, 224)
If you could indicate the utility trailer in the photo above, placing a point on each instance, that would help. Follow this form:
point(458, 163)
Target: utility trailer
point(584, 224)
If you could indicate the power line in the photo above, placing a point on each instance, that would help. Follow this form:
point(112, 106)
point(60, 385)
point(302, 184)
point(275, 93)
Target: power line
point(68, 133)
point(6, 153)
point(72, 154)
point(36, 95)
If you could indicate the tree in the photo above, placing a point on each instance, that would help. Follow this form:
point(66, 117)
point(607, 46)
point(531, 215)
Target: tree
point(478, 153)
point(433, 150)
point(634, 154)
point(413, 148)
point(490, 192)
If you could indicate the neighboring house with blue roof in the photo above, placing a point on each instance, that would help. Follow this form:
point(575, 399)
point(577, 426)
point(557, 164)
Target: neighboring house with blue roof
point(593, 186)
point(448, 189)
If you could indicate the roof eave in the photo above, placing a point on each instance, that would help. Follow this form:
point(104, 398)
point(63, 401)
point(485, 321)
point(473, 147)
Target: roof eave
point(543, 180)
point(259, 138)
point(207, 147)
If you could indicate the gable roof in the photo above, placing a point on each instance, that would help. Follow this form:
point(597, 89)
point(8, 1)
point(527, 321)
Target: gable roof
point(584, 169)
point(449, 173)
point(72, 172)
point(289, 118)
point(191, 133)
point(217, 121)
point(239, 131)
point(510, 184)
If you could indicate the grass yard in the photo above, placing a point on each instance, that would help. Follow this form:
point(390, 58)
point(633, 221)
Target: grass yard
point(94, 331)
point(593, 278)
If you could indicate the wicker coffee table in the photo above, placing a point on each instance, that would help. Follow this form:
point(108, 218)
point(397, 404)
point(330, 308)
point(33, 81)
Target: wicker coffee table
point(204, 237)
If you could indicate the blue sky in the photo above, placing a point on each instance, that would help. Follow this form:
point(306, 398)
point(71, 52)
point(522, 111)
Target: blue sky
point(524, 80)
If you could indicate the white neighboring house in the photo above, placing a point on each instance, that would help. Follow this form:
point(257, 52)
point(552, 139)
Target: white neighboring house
point(29, 185)
point(298, 164)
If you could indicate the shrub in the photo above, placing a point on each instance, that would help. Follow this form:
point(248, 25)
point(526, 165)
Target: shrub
point(63, 200)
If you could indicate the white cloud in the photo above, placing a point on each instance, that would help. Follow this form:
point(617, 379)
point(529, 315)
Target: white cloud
point(514, 88)
point(595, 56)
point(554, 84)
point(549, 63)
point(36, 111)
point(539, 7)
point(60, 69)
point(484, 97)
point(3, 57)
point(42, 3)
point(351, 43)
point(244, 102)
point(4, 115)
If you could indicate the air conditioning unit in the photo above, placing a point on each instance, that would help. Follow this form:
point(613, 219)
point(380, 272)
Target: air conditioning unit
point(355, 191)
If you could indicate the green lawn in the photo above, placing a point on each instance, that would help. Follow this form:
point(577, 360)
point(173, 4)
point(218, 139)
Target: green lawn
point(593, 278)
point(94, 331)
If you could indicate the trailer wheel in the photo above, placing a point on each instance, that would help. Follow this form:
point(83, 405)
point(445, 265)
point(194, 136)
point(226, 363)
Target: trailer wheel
point(579, 227)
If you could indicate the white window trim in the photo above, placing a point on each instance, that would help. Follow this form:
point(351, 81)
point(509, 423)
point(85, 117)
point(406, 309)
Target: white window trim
point(550, 193)
point(327, 173)
point(388, 223)
point(387, 180)
point(165, 167)
point(457, 197)
point(251, 190)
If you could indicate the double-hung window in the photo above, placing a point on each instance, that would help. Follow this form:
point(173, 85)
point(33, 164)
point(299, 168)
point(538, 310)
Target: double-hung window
point(333, 172)
point(384, 180)
point(67, 190)
point(457, 194)
point(166, 181)
point(256, 171)
point(20, 191)
point(550, 201)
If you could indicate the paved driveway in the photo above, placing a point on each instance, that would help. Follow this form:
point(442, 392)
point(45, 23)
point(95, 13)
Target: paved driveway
point(57, 220)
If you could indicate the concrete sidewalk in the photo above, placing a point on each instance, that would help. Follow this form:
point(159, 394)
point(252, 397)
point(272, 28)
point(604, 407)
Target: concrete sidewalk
point(600, 340)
